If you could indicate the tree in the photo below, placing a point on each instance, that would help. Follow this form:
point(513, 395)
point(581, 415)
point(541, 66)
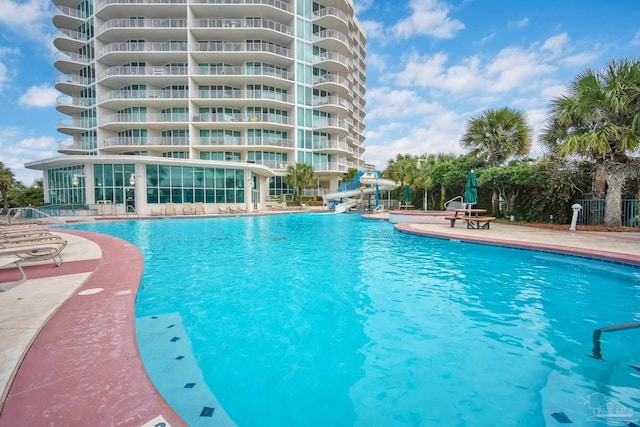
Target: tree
point(7, 180)
point(599, 118)
point(300, 176)
point(497, 135)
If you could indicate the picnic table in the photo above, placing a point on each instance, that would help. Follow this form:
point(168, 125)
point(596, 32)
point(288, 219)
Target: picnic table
point(475, 218)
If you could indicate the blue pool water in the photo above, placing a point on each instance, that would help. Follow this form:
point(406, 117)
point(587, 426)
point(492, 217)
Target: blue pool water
point(331, 320)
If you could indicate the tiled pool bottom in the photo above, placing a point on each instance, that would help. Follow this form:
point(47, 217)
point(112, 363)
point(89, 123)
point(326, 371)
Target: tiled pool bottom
point(175, 371)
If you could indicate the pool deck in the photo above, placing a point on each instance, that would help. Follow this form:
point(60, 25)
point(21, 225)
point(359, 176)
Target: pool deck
point(69, 355)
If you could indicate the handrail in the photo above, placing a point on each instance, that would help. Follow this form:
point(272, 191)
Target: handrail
point(133, 208)
point(596, 336)
point(446, 204)
point(19, 212)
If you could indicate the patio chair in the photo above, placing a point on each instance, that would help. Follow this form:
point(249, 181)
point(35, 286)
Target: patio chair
point(169, 209)
point(187, 209)
point(199, 210)
point(7, 260)
point(37, 249)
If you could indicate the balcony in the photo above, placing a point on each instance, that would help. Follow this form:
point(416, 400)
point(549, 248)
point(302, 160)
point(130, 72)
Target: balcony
point(331, 17)
point(67, 17)
point(333, 147)
point(244, 97)
point(157, 75)
point(73, 105)
point(69, 40)
point(248, 28)
point(162, 121)
point(143, 143)
point(70, 63)
point(271, 9)
point(69, 84)
point(76, 126)
point(238, 75)
point(333, 62)
point(162, 98)
point(258, 51)
point(171, 51)
point(242, 121)
point(337, 126)
point(141, 7)
point(332, 40)
point(331, 104)
point(71, 147)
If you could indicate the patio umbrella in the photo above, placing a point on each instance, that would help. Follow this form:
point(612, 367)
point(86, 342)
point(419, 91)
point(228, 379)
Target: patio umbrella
point(471, 191)
point(407, 194)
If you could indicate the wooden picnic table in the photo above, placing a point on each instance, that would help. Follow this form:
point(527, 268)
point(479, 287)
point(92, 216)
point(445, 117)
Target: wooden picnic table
point(473, 217)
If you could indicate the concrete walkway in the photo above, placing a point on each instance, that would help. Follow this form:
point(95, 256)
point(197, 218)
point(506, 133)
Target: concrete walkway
point(68, 353)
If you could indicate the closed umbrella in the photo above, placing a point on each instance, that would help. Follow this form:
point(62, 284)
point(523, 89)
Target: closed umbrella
point(407, 194)
point(471, 191)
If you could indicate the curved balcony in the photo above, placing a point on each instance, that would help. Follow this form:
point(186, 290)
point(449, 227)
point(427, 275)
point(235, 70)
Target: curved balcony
point(69, 40)
point(70, 63)
point(269, 9)
point(332, 40)
point(241, 29)
point(67, 17)
point(240, 97)
point(130, 28)
point(121, 98)
point(331, 83)
point(237, 75)
point(340, 147)
point(254, 51)
point(161, 121)
point(332, 126)
point(73, 4)
point(71, 147)
point(172, 51)
point(332, 17)
point(279, 145)
point(73, 105)
point(70, 84)
point(330, 167)
point(140, 7)
point(333, 62)
point(158, 143)
point(331, 104)
point(243, 121)
point(75, 126)
point(123, 75)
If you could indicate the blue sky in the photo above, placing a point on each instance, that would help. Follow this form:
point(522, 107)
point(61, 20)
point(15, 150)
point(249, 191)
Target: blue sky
point(431, 65)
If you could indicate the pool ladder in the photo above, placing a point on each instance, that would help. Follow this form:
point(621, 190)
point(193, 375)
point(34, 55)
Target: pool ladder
point(597, 351)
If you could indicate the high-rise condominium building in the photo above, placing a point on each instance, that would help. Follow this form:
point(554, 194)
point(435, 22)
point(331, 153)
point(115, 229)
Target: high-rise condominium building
point(183, 101)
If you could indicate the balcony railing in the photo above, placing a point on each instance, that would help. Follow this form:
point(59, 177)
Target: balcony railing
point(173, 46)
point(332, 56)
point(242, 23)
point(71, 34)
point(104, 3)
point(145, 118)
point(275, 3)
point(143, 94)
point(143, 23)
point(331, 78)
point(74, 79)
point(221, 70)
point(72, 57)
point(330, 100)
point(73, 13)
point(126, 70)
point(245, 94)
point(77, 123)
point(331, 11)
point(238, 118)
point(243, 47)
point(330, 34)
point(145, 141)
point(75, 101)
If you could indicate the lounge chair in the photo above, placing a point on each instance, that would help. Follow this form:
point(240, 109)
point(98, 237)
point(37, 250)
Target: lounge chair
point(187, 209)
point(169, 209)
point(7, 260)
point(199, 210)
point(35, 249)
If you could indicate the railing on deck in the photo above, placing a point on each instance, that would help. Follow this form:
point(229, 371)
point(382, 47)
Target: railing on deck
point(593, 212)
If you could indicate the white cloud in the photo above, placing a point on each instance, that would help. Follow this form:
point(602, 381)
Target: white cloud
point(514, 67)
point(552, 92)
point(485, 39)
point(361, 5)
point(17, 150)
point(395, 104)
point(40, 96)
point(430, 71)
point(6, 55)
point(636, 39)
point(429, 18)
point(580, 59)
point(556, 44)
point(32, 15)
point(374, 30)
point(519, 24)
point(536, 119)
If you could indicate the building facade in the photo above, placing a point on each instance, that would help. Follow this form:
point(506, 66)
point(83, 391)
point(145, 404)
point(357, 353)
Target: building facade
point(175, 101)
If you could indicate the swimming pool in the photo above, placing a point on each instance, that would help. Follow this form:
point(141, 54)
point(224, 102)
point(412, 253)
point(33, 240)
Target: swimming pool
point(314, 319)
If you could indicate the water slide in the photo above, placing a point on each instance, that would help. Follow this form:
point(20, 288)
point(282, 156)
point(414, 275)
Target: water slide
point(347, 197)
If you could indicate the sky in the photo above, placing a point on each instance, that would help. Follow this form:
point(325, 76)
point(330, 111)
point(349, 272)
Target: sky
point(431, 66)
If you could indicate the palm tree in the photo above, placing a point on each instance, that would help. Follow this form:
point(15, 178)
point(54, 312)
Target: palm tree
point(600, 118)
point(7, 180)
point(497, 135)
point(300, 176)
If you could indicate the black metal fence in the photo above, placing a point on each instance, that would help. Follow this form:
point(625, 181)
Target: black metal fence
point(593, 212)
